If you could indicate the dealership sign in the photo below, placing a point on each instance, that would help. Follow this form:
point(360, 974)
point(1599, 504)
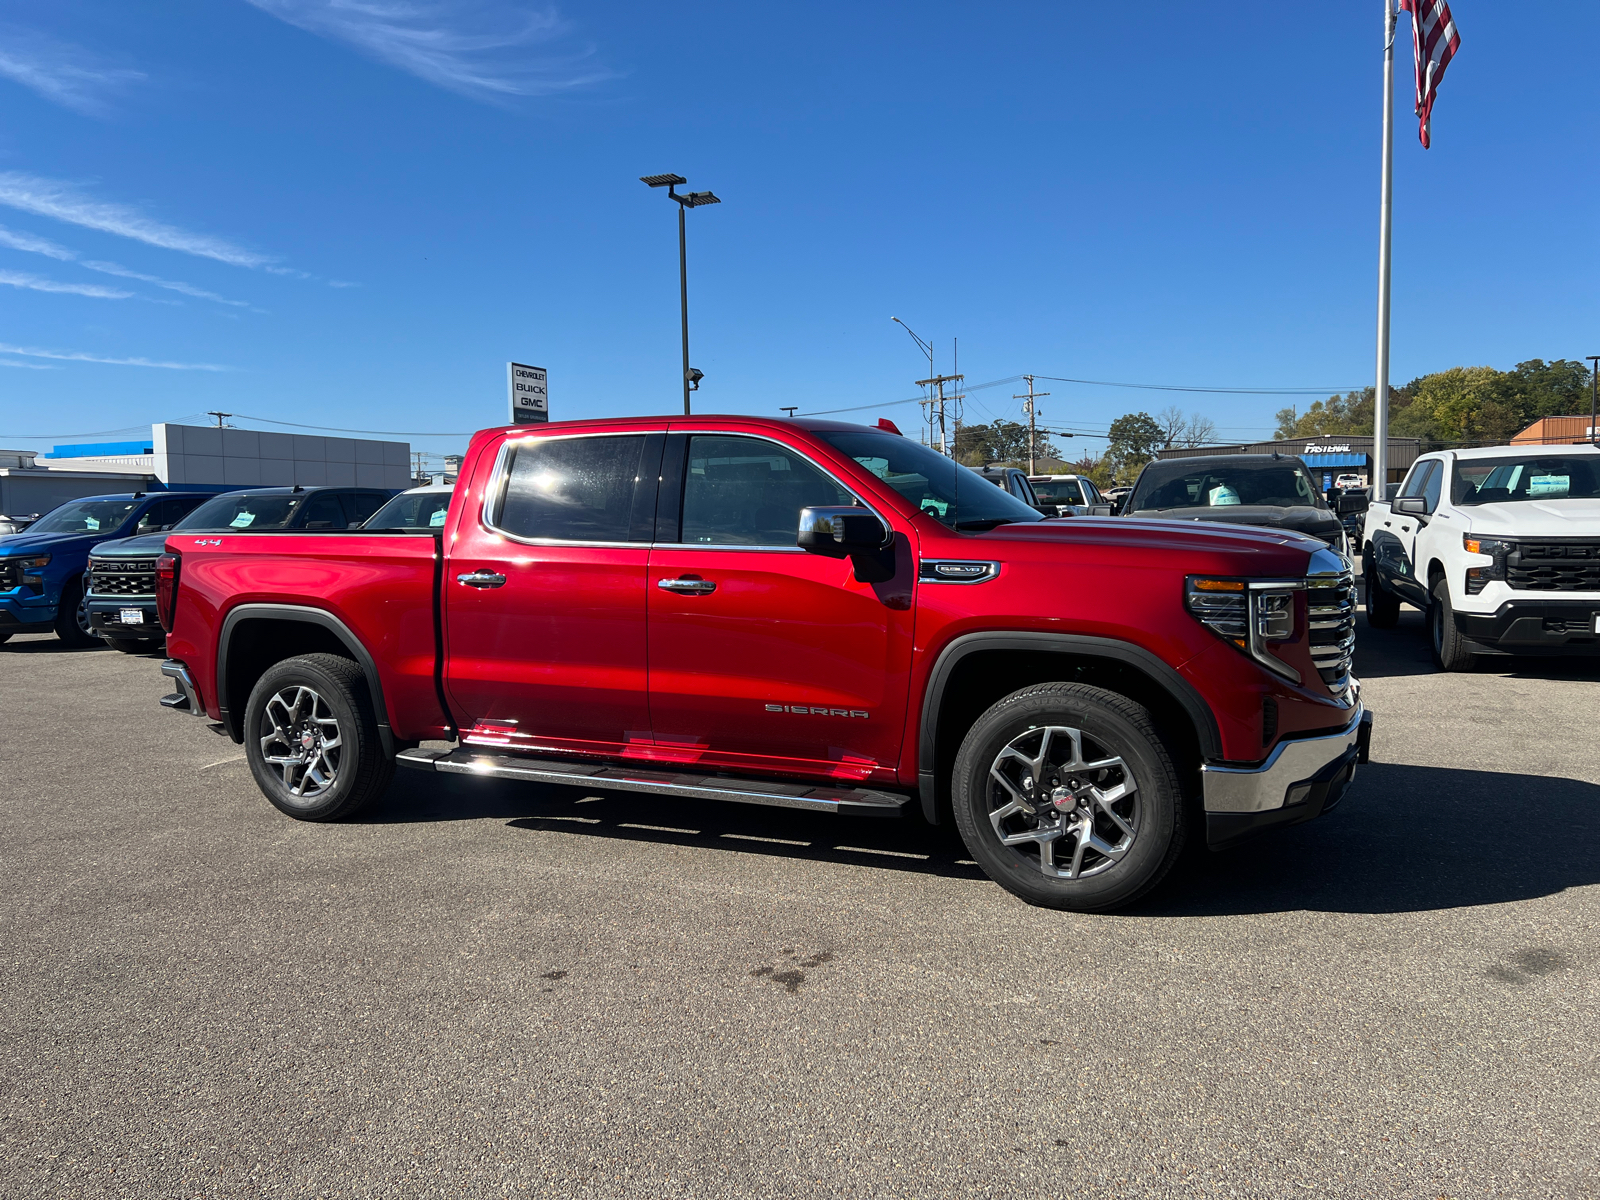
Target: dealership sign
point(528, 388)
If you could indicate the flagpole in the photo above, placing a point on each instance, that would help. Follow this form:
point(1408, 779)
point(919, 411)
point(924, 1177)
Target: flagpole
point(1380, 425)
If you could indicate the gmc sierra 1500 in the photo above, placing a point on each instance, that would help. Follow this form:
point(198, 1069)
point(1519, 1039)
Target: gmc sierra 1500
point(799, 613)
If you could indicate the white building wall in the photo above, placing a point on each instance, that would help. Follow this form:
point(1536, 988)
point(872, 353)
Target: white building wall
point(200, 454)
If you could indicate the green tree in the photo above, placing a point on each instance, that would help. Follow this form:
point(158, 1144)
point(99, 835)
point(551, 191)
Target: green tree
point(1002, 442)
point(1133, 441)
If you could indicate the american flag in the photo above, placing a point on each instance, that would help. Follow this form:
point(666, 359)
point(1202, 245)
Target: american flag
point(1434, 42)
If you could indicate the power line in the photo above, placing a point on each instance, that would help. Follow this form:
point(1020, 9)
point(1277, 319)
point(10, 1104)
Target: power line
point(1174, 387)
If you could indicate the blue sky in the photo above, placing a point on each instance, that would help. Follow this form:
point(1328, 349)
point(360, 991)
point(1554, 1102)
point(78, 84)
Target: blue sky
point(351, 213)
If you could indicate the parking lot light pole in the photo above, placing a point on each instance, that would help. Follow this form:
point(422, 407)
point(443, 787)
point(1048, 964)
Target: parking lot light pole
point(1594, 396)
point(691, 377)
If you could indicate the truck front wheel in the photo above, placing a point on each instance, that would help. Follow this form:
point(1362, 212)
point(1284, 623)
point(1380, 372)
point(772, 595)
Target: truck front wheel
point(1383, 606)
point(1066, 795)
point(1450, 652)
point(311, 738)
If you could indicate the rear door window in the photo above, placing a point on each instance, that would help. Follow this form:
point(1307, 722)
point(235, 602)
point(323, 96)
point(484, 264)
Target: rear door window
point(579, 489)
point(359, 506)
point(323, 511)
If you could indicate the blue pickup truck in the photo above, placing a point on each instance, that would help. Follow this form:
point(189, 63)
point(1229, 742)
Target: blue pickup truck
point(41, 568)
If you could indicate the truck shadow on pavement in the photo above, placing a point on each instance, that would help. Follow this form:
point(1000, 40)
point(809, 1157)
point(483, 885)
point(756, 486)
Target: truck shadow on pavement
point(1405, 839)
point(896, 845)
point(1405, 650)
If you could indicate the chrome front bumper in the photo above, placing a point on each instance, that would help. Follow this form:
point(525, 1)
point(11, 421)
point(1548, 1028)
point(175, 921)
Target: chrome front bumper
point(1290, 773)
point(187, 697)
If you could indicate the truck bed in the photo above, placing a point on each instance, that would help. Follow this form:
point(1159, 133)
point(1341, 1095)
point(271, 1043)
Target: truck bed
point(382, 587)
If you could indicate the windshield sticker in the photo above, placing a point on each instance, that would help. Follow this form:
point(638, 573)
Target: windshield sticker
point(91, 523)
point(242, 520)
point(1223, 494)
point(1549, 485)
point(438, 517)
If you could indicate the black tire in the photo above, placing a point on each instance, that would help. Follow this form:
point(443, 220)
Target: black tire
point(72, 619)
point(1151, 818)
point(350, 761)
point(1450, 650)
point(134, 645)
point(1383, 606)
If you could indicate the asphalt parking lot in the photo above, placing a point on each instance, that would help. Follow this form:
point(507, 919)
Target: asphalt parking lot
point(481, 989)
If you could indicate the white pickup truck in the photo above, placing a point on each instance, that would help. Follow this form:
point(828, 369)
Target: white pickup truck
point(1500, 546)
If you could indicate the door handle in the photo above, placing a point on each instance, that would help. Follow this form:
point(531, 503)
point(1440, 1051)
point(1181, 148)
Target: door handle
point(482, 578)
point(689, 585)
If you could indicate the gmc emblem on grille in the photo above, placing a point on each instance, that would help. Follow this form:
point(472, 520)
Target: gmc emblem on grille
point(811, 710)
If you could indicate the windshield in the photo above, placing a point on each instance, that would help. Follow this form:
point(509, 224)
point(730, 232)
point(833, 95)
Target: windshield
point(1535, 477)
point(946, 491)
point(1057, 491)
point(414, 510)
point(1280, 483)
point(85, 516)
point(235, 510)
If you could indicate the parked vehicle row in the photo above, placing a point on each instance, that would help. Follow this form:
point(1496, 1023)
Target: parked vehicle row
point(87, 570)
point(799, 613)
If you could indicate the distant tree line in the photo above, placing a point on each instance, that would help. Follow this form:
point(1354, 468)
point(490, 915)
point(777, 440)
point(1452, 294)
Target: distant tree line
point(1461, 405)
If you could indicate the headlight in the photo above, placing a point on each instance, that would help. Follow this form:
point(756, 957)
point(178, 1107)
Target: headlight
point(1253, 615)
point(26, 567)
point(1496, 548)
point(1483, 545)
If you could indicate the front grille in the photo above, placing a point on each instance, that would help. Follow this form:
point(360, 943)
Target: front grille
point(122, 577)
point(1331, 607)
point(1555, 567)
point(10, 575)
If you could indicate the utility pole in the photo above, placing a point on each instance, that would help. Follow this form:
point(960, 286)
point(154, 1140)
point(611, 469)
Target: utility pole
point(790, 409)
point(937, 409)
point(219, 416)
point(1032, 413)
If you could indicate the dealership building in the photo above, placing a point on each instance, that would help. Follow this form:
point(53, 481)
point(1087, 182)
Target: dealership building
point(196, 458)
point(1328, 457)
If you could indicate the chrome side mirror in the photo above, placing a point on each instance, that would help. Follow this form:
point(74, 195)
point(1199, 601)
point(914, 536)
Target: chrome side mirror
point(839, 532)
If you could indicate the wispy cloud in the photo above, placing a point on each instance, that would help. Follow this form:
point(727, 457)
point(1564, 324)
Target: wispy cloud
point(38, 245)
point(80, 356)
point(37, 283)
point(34, 245)
point(62, 202)
point(188, 289)
point(485, 49)
point(66, 74)
point(28, 366)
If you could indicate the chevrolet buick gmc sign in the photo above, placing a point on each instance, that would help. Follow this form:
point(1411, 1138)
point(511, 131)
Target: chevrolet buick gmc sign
point(530, 397)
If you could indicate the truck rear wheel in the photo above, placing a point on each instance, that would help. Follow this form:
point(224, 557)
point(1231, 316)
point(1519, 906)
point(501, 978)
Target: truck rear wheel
point(1383, 606)
point(311, 738)
point(1066, 796)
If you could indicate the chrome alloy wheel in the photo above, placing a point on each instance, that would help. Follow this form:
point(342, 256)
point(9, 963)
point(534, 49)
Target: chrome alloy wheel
point(303, 743)
point(1056, 792)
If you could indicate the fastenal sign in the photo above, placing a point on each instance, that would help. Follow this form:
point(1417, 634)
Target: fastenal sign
point(528, 388)
point(1329, 449)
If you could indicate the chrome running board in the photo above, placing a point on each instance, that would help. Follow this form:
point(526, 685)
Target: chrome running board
point(815, 797)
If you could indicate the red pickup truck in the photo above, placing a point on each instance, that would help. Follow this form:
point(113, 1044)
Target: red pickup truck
point(800, 613)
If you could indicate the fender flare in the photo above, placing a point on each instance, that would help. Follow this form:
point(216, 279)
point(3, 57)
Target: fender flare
point(1081, 645)
point(304, 614)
